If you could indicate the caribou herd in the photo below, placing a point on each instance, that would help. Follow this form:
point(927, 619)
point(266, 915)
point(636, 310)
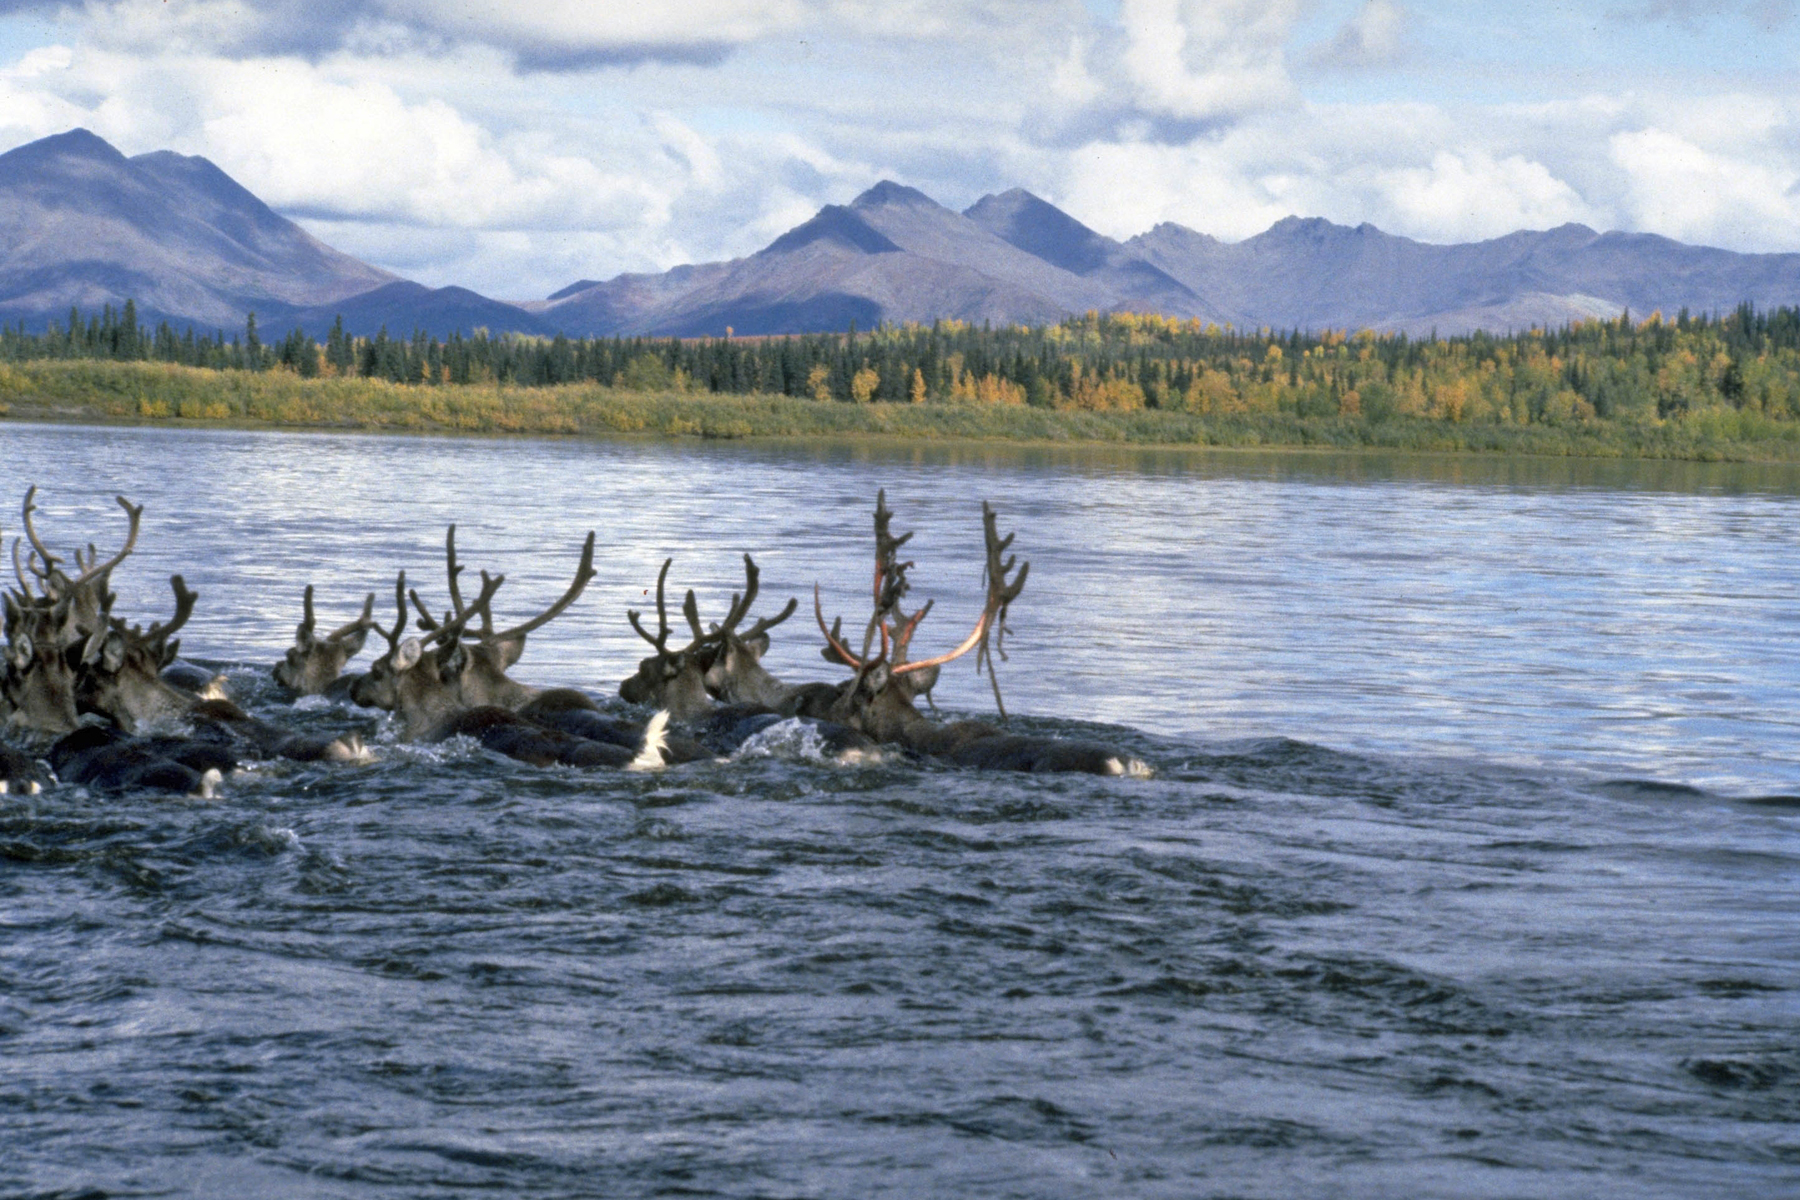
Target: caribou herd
point(90, 699)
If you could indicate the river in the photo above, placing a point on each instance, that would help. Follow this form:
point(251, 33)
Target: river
point(1469, 868)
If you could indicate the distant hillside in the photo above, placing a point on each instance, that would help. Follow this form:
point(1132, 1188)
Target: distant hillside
point(81, 224)
point(1316, 275)
point(894, 254)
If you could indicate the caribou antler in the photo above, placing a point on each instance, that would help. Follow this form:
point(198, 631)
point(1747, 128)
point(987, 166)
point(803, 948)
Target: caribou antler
point(363, 622)
point(184, 608)
point(452, 629)
point(303, 633)
point(92, 568)
point(393, 638)
point(452, 569)
point(19, 568)
point(896, 629)
point(583, 575)
point(43, 552)
point(740, 607)
point(661, 640)
point(1001, 593)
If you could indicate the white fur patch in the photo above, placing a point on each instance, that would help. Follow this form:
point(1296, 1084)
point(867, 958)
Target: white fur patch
point(1137, 768)
point(651, 756)
point(209, 783)
point(351, 749)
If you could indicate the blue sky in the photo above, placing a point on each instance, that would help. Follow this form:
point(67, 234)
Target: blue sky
point(514, 148)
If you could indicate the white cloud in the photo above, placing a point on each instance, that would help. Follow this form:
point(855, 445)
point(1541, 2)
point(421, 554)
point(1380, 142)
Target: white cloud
point(423, 138)
point(1687, 192)
point(1196, 61)
point(1469, 196)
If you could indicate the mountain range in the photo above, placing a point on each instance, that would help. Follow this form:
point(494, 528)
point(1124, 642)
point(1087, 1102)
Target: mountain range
point(82, 224)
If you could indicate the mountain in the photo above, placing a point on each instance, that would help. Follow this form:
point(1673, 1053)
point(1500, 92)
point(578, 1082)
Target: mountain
point(81, 224)
point(403, 306)
point(1313, 274)
point(892, 254)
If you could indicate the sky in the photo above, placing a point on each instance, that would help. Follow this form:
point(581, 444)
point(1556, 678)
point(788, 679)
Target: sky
point(516, 147)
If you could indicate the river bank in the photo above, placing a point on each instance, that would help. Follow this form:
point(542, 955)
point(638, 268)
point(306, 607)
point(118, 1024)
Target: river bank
point(141, 393)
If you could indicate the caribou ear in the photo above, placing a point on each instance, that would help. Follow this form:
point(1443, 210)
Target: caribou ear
point(920, 683)
point(303, 636)
point(407, 657)
point(13, 612)
point(876, 681)
point(21, 651)
point(757, 646)
point(451, 661)
point(509, 650)
point(352, 643)
point(169, 653)
point(112, 653)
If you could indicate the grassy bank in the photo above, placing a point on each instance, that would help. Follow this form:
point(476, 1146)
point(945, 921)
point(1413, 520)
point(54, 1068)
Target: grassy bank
point(146, 393)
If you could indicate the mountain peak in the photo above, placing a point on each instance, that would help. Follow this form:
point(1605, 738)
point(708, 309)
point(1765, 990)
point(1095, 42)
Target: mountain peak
point(837, 225)
point(75, 144)
point(1038, 227)
point(887, 192)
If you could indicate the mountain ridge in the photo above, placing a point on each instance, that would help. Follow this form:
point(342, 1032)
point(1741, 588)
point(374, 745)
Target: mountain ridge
point(82, 224)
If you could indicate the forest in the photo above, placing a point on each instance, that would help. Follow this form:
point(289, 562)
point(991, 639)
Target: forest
point(1734, 376)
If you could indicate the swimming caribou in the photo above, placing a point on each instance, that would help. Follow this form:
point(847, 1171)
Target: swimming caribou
point(453, 681)
point(69, 659)
point(880, 696)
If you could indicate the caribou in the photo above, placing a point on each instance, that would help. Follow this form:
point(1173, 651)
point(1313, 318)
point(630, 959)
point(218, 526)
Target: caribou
point(48, 627)
point(879, 698)
point(717, 685)
point(453, 681)
point(313, 665)
point(68, 655)
point(69, 660)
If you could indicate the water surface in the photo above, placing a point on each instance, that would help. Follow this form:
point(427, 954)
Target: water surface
point(1470, 867)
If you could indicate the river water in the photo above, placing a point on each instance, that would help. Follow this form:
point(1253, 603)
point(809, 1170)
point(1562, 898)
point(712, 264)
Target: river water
point(1470, 867)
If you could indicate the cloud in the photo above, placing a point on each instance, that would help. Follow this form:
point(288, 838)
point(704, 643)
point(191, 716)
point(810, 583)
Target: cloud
point(437, 141)
point(1197, 61)
point(1766, 14)
point(1374, 37)
point(1689, 192)
point(545, 35)
point(541, 36)
point(1472, 195)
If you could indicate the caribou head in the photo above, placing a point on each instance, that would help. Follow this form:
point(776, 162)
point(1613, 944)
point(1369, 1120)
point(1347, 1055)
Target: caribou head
point(313, 663)
point(720, 663)
point(121, 667)
point(427, 680)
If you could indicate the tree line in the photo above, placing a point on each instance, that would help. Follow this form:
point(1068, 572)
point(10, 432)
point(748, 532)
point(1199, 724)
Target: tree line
point(1622, 369)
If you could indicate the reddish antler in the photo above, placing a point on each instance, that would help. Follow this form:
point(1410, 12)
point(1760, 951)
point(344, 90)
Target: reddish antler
point(897, 629)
